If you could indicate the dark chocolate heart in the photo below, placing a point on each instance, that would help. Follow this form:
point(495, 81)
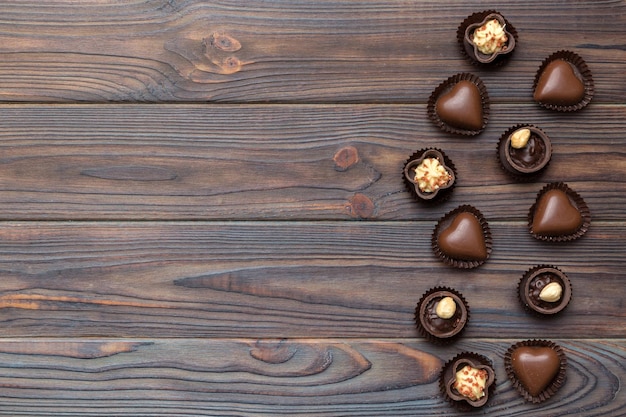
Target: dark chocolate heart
point(463, 239)
point(535, 367)
point(555, 215)
point(559, 85)
point(461, 107)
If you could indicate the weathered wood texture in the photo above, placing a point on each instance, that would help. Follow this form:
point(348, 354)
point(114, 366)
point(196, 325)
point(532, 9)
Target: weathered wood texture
point(202, 212)
point(190, 162)
point(183, 377)
point(286, 280)
point(284, 51)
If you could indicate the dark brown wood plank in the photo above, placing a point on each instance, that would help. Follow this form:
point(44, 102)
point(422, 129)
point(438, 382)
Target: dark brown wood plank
point(245, 377)
point(285, 51)
point(187, 162)
point(287, 280)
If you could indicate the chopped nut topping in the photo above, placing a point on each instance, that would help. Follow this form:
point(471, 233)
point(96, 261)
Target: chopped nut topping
point(490, 37)
point(430, 175)
point(446, 308)
point(520, 138)
point(470, 382)
point(551, 292)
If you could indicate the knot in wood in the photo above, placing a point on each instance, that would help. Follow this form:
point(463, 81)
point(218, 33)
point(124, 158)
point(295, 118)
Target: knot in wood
point(230, 65)
point(224, 42)
point(345, 158)
point(360, 206)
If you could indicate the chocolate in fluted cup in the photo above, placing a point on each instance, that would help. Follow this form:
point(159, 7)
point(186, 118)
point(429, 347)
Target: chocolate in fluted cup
point(559, 214)
point(471, 51)
point(460, 105)
point(462, 238)
point(448, 379)
point(440, 323)
point(443, 192)
point(544, 290)
point(536, 368)
point(563, 82)
point(524, 163)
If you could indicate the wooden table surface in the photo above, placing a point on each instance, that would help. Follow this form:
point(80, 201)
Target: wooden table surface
point(202, 210)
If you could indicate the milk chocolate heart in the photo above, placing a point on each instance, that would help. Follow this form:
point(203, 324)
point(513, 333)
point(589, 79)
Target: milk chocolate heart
point(461, 107)
point(559, 85)
point(535, 367)
point(555, 215)
point(464, 239)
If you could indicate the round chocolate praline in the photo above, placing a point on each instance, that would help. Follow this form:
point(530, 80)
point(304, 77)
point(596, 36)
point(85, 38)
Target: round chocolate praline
point(465, 34)
point(437, 329)
point(537, 278)
point(440, 195)
point(527, 162)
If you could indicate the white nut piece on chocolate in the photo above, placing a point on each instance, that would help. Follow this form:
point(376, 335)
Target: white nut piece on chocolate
point(519, 138)
point(551, 292)
point(446, 308)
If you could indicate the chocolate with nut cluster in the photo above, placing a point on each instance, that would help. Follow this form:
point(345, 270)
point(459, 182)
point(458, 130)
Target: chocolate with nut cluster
point(524, 152)
point(544, 290)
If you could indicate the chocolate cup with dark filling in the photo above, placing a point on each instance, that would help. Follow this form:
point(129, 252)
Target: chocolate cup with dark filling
point(465, 34)
point(434, 328)
point(440, 195)
point(535, 280)
point(447, 379)
point(559, 214)
point(528, 162)
point(563, 82)
point(460, 105)
point(536, 368)
point(462, 238)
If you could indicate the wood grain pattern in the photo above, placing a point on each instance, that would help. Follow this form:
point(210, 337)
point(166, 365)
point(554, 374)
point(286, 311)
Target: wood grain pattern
point(284, 51)
point(286, 280)
point(278, 377)
point(202, 211)
point(191, 162)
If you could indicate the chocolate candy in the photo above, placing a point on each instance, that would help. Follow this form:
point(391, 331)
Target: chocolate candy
point(434, 327)
point(536, 368)
point(412, 184)
point(504, 38)
point(461, 107)
point(563, 82)
point(448, 381)
point(537, 291)
point(524, 163)
point(558, 84)
point(464, 239)
point(555, 215)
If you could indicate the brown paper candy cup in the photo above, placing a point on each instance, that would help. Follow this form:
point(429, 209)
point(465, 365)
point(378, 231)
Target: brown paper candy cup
point(534, 280)
point(524, 164)
point(437, 330)
point(471, 53)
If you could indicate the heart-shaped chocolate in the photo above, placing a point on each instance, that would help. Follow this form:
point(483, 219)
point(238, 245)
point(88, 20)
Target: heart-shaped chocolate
point(555, 215)
point(463, 239)
point(461, 107)
point(559, 85)
point(535, 367)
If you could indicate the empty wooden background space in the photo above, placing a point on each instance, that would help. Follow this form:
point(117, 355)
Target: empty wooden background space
point(202, 211)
